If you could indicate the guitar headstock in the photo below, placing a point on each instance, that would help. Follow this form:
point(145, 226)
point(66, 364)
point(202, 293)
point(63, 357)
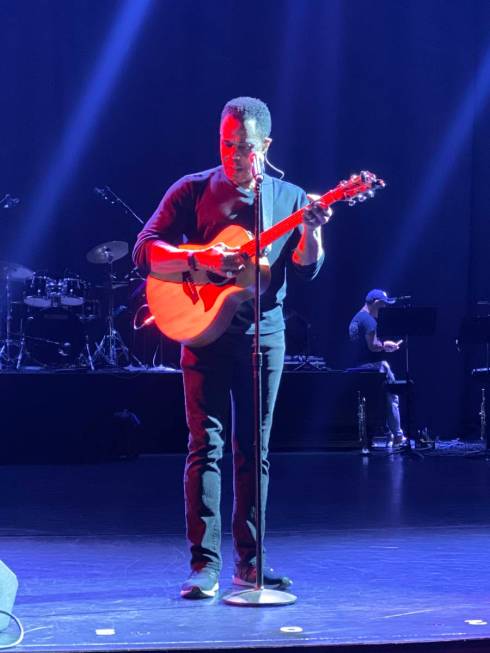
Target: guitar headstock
point(359, 188)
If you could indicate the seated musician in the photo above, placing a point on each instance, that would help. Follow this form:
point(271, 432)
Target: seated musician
point(371, 355)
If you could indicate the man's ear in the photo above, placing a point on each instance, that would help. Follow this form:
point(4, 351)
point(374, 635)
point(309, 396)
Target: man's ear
point(267, 142)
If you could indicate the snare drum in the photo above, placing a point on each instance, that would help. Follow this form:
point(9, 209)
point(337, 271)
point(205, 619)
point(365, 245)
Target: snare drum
point(39, 291)
point(72, 291)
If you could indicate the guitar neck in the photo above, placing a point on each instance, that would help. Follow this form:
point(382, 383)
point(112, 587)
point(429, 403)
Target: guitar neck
point(270, 235)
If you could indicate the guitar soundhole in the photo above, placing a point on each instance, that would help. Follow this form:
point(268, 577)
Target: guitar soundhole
point(218, 280)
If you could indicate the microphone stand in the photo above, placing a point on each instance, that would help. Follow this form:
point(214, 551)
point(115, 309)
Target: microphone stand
point(407, 447)
point(110, 196)
point(259, 596)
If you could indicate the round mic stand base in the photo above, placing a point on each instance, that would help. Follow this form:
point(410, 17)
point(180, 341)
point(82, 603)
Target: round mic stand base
point(259, 597)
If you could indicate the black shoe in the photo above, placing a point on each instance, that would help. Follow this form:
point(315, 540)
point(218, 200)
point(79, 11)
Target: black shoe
point(201, 584)
point(247, 576)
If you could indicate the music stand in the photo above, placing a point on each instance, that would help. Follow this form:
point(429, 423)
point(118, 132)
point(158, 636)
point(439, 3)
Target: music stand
point(404, 322)
point(476, 331)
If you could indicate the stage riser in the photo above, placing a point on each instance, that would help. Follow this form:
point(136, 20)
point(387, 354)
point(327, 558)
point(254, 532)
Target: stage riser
point(75, 416)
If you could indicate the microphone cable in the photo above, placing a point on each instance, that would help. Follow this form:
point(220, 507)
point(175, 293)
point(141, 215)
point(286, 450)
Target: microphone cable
point(281, 173)
point(19, 626)
point(146, 322)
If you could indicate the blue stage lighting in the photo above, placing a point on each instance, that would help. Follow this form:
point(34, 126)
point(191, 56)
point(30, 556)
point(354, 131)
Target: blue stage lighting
point(81, 126)
point(440, 167)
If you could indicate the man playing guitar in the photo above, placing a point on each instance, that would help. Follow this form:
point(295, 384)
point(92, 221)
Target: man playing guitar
point(194, 210)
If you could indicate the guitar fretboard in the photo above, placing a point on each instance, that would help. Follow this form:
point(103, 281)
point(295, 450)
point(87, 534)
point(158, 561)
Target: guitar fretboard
point(288, 224)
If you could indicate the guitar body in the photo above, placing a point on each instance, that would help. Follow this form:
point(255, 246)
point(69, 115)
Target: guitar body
point(196, 307)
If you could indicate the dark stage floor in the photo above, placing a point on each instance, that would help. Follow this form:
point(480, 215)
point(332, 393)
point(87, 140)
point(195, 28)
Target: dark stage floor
point(381, 550)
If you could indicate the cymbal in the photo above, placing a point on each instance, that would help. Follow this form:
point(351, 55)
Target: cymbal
point(15, 271)
point(108, 252)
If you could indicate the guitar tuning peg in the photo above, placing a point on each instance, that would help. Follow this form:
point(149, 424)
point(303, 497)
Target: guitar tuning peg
point(361, 197)
point(370, 193)
point(351, 201)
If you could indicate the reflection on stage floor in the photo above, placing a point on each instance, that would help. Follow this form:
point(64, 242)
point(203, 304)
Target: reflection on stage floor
point(386, 549)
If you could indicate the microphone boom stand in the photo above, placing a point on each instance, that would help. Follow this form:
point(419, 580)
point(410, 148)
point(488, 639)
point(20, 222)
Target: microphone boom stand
point(259, 596)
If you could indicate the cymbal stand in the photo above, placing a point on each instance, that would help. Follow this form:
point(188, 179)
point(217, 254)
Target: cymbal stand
point(7, 359)
point(112, 348)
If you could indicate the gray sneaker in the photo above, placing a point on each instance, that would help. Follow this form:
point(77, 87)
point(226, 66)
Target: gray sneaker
point(397, 441)
point(201, 584)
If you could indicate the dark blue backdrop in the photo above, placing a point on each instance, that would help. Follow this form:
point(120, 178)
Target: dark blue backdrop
point(396, 86)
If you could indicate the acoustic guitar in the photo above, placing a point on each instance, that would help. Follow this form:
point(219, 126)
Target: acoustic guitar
point(196, 307)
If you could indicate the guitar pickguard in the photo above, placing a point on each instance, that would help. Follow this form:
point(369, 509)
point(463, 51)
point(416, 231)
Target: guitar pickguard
point(189, 287)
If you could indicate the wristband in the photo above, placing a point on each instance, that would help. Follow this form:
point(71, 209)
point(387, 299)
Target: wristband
point(191, 261)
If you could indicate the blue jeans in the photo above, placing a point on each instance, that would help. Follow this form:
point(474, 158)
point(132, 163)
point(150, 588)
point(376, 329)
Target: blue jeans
point(211, 375)
point(392, 400)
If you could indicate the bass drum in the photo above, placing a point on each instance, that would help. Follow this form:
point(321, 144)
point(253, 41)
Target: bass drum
point(54, 337)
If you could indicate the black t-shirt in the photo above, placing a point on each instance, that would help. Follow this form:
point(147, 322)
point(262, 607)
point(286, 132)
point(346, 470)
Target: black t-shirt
point(362, 324)
point(198, 206)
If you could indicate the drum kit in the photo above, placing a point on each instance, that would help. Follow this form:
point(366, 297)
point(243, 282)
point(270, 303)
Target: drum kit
point(49, 326)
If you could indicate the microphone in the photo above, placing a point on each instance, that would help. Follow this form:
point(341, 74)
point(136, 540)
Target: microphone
point(257, 161)
point(103, 192)
point(8, 202)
